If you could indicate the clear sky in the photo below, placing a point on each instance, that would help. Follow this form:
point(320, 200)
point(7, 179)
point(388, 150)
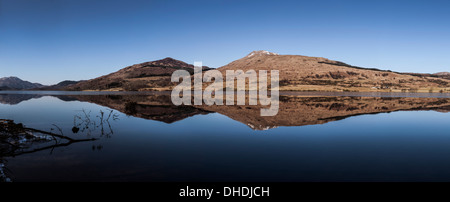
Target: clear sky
point(48, 41)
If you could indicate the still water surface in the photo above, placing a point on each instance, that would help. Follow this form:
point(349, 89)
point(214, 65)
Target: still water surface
point(143, 137)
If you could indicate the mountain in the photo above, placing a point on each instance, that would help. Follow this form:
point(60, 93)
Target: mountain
point(303, 73)
point(260, 53)
point(153, 75)
point(297, 73)
point(60, 86)
point(14, 83)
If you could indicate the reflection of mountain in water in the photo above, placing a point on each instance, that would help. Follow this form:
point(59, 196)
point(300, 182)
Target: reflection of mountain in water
point(13, 99)
point(153, 107)
point(299, 111)
point(293, 111)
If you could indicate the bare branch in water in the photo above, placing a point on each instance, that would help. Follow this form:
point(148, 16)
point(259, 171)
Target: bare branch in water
point(12, 133)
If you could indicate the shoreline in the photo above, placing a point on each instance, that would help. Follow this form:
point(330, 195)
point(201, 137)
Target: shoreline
point(282, 93)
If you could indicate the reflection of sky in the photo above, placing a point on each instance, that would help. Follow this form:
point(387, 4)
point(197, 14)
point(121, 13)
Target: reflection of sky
point(409, 145)
point(45, 110)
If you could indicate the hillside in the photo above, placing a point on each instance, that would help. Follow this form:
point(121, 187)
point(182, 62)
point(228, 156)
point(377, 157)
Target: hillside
point(153, 75)
point(320, 74)
point(59, 86)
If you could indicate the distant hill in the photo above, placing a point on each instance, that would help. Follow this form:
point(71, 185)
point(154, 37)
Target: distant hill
point(14, 83)
point(445, 75)
point(153, 75)
point(442, 75)
point(60, 86)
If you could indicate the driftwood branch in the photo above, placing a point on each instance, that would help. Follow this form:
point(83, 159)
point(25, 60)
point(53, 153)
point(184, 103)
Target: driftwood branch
point(49, 133)
point(18, 150)
point(54, 146)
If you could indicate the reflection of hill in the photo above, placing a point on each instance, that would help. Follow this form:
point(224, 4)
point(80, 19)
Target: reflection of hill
point(293, 111)
point(153, 107)
point(299, 111)
point(13, 99)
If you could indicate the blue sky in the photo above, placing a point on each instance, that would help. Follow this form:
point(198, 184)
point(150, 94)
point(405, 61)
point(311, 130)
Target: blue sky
point(49, 41)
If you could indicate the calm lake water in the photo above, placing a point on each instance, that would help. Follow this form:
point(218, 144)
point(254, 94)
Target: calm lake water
point(143, 137)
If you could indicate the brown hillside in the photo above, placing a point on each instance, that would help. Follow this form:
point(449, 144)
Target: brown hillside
point(144, 76)
point(315, 73)
point(297, 73)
